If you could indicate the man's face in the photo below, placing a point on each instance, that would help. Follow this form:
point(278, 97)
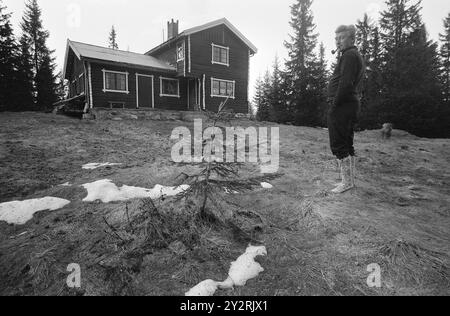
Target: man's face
point(343, 40)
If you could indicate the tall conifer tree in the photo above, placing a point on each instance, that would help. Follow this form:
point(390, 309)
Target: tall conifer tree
point(43, 63)
point(113, 39)
point(8, 60)
point(302, 65)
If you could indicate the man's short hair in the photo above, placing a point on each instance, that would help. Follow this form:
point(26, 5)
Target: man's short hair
point(349, 29)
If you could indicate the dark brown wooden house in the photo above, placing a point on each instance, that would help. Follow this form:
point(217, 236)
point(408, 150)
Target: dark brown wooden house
point(196, 69)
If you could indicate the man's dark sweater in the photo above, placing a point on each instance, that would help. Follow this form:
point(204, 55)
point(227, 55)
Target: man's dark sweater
point(345, 84)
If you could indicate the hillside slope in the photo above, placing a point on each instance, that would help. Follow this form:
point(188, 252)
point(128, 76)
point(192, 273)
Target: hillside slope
point(317, 243)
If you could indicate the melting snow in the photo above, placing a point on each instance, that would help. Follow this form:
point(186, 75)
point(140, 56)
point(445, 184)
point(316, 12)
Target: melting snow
point(107, 192)
point(206, 288)
point(266, 185)
point(20, 212)
point(243, 269)
point(92, 166)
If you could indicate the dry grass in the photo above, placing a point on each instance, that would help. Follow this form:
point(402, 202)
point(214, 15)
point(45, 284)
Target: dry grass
point(412, 263)
point(318, 243)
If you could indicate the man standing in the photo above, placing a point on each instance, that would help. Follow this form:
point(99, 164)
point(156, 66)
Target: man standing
point(344, 97)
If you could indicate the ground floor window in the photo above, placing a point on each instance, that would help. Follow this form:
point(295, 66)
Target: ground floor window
point(114, 81)
point(169, 87)
point(222, 88)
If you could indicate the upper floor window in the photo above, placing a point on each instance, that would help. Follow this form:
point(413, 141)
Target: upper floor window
point(222, 88)
point(114, 81)
point(169, 87)
point(180, 51)
point(220, 55)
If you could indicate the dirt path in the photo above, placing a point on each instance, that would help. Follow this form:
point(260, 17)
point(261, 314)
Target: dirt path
point(318, 244)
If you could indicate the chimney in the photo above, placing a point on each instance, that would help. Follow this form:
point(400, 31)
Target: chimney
point(172, 29)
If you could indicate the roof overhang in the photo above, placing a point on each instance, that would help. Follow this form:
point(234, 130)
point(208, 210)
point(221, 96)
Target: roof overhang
point(127, 65)
point(73, 48)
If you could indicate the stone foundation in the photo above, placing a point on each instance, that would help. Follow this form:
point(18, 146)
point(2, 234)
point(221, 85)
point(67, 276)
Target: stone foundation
point(150, 114)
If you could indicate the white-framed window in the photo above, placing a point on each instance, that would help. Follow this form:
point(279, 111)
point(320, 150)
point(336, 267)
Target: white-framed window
point(222, 88)
point(220, 55)
point(115, 81)
point(169, 87)
point(180, 51)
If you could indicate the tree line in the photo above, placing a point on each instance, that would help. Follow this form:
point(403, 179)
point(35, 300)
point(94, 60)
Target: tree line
point(27, 67)
point(407, 81)
point(28, 78)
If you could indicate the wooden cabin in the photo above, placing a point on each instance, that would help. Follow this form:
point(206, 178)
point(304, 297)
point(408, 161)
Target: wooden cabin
point(194, 70)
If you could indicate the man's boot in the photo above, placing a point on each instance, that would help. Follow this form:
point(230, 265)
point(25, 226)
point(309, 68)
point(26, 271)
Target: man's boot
point(346, 171)
point(339, 163)
point(353, 170)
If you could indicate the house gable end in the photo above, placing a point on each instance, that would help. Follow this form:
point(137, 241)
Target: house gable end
point(204, 27)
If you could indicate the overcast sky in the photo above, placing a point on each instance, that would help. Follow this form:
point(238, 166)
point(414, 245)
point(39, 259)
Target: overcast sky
point(140, 23)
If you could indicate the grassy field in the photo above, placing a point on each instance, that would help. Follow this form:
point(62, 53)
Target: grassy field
point(318, 243)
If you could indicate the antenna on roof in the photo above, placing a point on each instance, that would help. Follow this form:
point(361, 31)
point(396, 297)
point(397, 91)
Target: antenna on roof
point(164, 36)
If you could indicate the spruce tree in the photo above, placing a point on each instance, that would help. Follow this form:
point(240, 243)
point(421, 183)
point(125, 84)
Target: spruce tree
point(264, 103)
point(399, 20)
point(445, 60)
point(46, 84)
point(375, 65)
point(364, 34)
point(23, 90)
point(411, 92)
point(8, 61)
point(322, 85)
point(408, 68)
point(258, 99)
point(36, 37)
point(420, 83)
point(364, 29)
point(277, 96)
point(301, 67)
point(372, 99)
point(113, 39)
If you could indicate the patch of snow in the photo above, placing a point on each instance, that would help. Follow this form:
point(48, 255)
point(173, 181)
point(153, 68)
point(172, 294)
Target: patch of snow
point(67, 184)
point(242, 270)
point(92, 166)
point(20, 212)
point(206, 288)
point(266, 185)
point(245, 267)
point(106, 191)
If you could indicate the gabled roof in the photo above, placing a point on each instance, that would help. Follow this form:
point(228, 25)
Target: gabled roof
point(82, 50)
point(201, 28)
